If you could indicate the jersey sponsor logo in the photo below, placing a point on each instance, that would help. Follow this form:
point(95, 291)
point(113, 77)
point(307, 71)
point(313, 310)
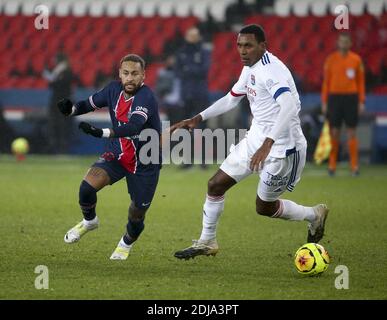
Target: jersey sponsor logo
point(251, 92)
point(140, 108)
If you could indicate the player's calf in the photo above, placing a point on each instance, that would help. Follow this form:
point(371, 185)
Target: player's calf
point(87, 200)
point(266, 208)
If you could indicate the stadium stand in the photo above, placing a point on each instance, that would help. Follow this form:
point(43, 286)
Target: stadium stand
point(96, 34)
point(80, 27)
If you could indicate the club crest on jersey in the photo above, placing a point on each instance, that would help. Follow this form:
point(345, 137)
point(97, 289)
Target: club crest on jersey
point(253, 79)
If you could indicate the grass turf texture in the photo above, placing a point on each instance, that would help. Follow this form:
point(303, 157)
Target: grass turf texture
point(38, 204)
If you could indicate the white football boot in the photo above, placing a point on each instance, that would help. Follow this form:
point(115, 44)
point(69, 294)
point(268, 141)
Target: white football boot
point(75, 233)
point(121, 252)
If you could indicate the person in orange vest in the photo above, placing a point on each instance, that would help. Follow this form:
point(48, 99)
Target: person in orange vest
point(343, 97)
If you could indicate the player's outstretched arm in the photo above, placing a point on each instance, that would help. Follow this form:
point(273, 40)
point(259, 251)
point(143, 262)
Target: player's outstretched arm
point(186, 124)
point(130, 129)
point(219, 107)
point(68, 108)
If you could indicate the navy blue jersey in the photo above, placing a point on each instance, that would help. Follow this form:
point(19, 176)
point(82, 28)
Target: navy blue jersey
point(127, 115)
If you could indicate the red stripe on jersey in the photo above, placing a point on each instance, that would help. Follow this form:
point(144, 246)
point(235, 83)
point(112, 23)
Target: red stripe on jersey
point(123, 108)
point(237, 94)
point(128, 157)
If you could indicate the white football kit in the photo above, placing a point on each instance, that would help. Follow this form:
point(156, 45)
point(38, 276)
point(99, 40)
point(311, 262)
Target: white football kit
point(263, 84)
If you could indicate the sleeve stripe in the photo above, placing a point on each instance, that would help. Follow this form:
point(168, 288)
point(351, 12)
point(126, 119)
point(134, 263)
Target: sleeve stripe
point(280, 91)
point(237, 94)
point(141, 113)
point(92, 103)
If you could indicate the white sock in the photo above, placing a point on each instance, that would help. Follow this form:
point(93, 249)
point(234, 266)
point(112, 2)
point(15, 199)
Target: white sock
point(290, 210)
point(123, 244)
point(88, 223)
point(212, 209)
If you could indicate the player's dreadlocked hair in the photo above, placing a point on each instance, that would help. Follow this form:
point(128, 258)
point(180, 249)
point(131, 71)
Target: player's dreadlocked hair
point(255, 29)
point(134, 58)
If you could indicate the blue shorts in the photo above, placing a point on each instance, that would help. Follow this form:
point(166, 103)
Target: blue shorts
point(140, 187)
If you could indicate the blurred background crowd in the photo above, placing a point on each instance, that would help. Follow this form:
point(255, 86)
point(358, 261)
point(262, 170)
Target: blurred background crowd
point(190, 50)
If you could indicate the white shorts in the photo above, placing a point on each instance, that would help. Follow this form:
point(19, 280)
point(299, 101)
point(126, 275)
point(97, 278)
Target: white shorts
point(276, 176)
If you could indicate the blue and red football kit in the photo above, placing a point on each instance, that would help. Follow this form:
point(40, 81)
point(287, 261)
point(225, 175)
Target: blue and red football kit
point(122, 157)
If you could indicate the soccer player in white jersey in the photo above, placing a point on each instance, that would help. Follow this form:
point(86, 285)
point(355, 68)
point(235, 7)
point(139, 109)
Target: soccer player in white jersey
point(274, 146)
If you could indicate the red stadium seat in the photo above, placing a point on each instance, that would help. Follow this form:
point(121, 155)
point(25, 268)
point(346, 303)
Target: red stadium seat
point(151, 74)
point(381, 89)
point(99, 42)
point(375, 61)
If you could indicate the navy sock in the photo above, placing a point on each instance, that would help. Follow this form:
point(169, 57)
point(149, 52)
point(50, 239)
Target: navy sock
point(87, 200)
point(134, 229)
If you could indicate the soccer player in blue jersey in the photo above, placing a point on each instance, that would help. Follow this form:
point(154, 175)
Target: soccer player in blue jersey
point(132, 107)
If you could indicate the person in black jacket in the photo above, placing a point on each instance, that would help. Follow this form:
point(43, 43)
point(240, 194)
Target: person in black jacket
point(60, 83)
point(192, 67)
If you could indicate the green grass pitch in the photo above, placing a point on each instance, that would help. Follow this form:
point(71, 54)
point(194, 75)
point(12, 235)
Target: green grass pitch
point(38, 204)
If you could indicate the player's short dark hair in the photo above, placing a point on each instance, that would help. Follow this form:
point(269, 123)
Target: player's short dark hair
point(255, 29)
point(134, 58)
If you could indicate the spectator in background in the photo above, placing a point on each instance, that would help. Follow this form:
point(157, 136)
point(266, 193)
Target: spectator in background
point(209, 27)
point(343, 96)
point(192, 66)
point(168, 90)
point(260, 5)
point(236, 13)
point(60, 83)
point(6, 133)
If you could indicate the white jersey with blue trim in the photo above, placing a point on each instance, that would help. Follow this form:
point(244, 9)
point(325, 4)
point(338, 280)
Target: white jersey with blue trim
point(263, 83)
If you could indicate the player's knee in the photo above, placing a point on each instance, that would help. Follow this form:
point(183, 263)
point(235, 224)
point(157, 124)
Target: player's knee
point(215, 187)
point(136, 214)
point(87, 194)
